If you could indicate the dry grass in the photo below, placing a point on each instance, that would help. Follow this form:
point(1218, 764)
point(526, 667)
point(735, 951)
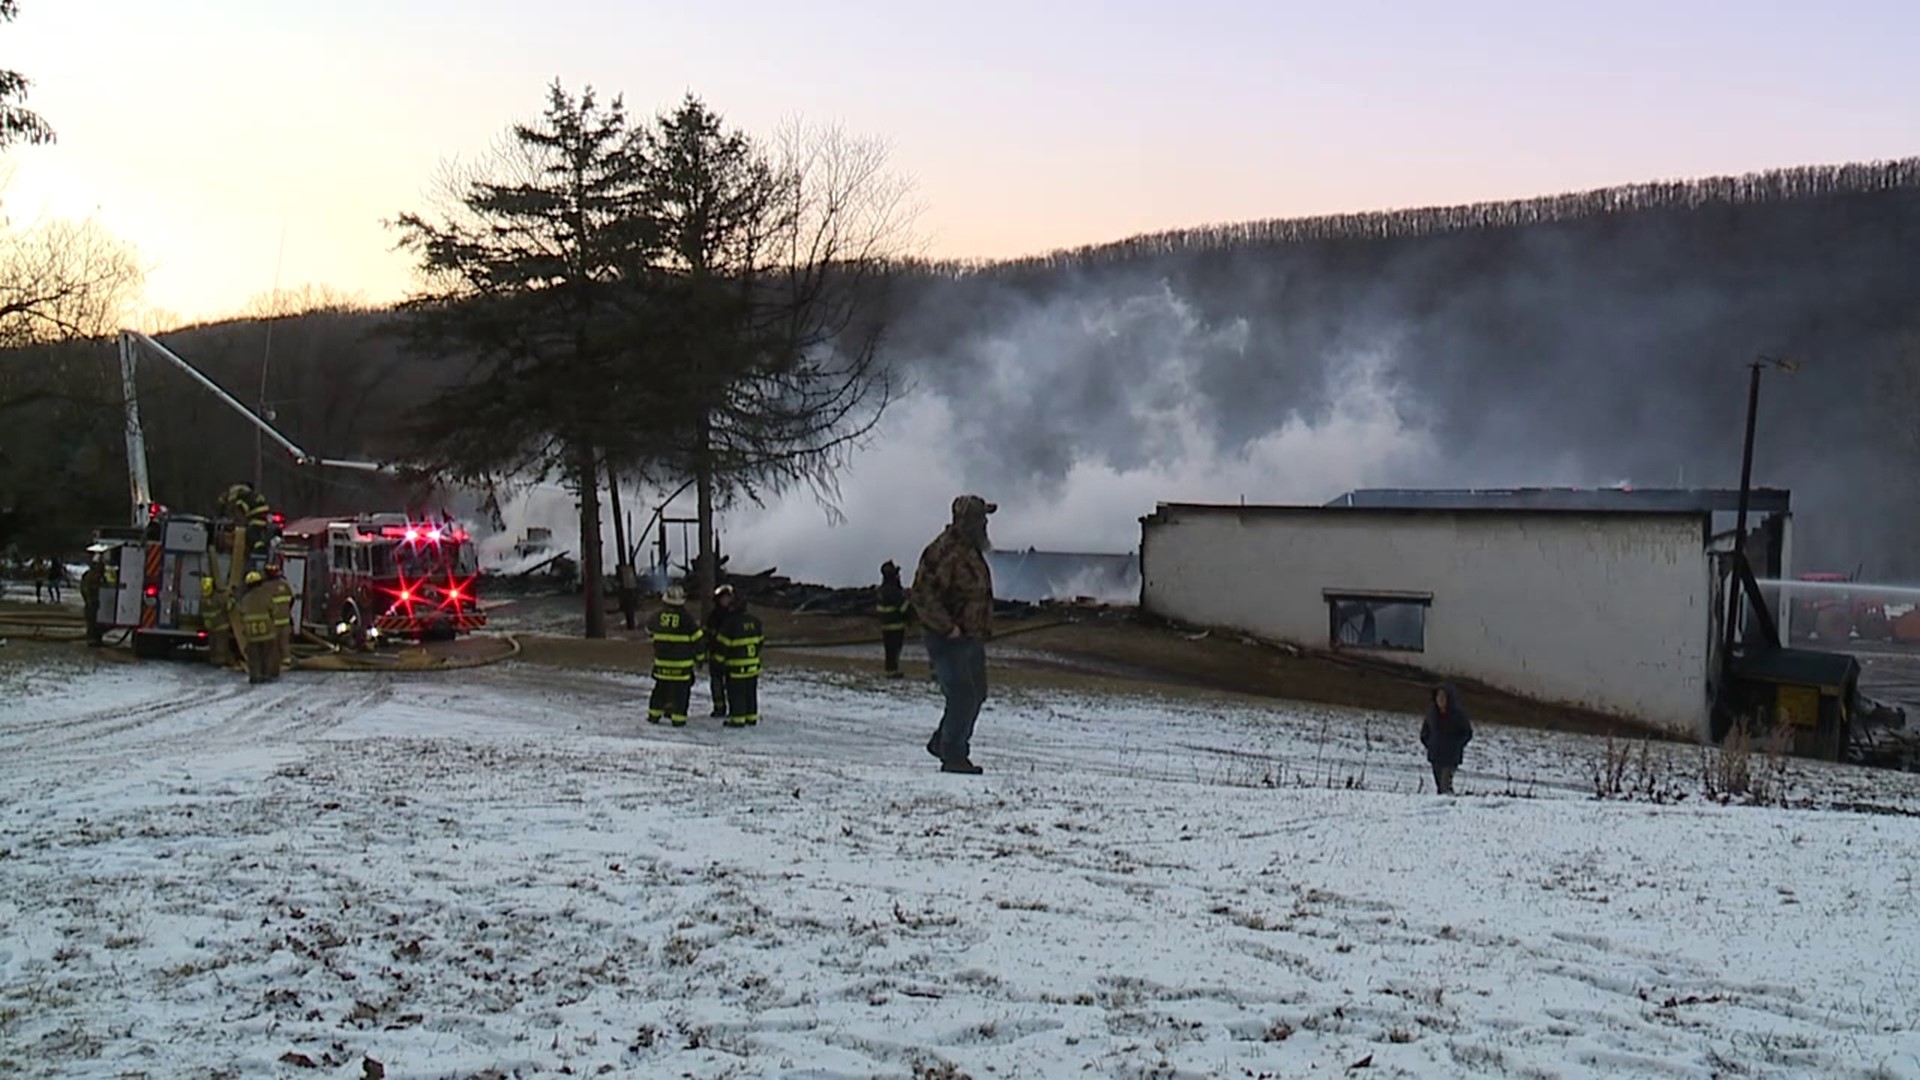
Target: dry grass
point(1746, 766)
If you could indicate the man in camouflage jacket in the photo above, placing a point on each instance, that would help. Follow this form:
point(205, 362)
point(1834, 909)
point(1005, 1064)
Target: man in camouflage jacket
point(953, 596)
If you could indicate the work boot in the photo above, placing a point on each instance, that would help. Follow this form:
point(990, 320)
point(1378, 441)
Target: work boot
point(653, 719)
point(736, 721)
point(679, 721)
point(933, 744)
point(961, 765)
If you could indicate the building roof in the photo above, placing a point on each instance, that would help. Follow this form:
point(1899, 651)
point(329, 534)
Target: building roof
point(1489, 509)
point(1606, 500)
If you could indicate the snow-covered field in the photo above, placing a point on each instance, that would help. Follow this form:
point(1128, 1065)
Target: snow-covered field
point(502, 872)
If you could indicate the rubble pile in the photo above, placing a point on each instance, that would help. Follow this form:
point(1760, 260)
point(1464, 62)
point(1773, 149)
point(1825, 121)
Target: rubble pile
point(768, 588)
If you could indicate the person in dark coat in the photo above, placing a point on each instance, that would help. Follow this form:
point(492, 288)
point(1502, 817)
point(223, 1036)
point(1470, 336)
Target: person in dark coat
point(739, 639)
point(717, 669)
point(678, 644)
point(1445, 733)
point(893, 611)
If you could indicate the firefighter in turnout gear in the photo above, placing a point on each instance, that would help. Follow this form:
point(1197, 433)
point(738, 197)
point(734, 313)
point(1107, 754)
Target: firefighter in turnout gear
point(282, 595)
point(678, 643)
point(255, 613)
point(90, 585)
point(739, 641)
point(894, 612)
point(717, 615)
point(248, 509)
point(215, 618)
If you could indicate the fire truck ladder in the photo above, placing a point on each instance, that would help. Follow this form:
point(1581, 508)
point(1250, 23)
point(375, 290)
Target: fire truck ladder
point(131, 342)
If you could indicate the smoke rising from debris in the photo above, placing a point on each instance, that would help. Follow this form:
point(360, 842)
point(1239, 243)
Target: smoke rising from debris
point(1077, 415)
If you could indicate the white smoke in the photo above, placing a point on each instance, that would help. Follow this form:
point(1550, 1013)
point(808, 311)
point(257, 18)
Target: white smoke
point(1078, 481)
point(1097, 585)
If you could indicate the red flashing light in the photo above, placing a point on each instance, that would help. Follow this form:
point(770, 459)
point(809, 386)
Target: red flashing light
point(153, 591)
point(406, 596)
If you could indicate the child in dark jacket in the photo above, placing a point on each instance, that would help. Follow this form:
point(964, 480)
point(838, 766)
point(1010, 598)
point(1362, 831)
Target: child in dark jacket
point(1445, 734)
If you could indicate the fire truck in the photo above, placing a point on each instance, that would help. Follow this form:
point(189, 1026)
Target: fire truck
point(361, 579)
point(382, 576)
point(152, 586)
point(1840, 614)
point(155, 571)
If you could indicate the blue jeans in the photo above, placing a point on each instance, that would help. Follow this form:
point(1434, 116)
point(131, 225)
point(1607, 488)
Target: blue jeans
point(961, 666)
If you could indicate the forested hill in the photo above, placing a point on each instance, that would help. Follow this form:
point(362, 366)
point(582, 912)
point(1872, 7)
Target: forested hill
point(1585, 338)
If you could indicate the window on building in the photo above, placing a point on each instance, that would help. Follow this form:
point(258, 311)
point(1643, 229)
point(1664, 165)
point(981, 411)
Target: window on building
point(1389, 621)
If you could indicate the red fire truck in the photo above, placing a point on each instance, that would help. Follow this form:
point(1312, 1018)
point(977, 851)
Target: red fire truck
point(382, 576)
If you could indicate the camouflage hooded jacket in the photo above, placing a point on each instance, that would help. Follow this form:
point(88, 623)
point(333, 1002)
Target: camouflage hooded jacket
point(953, 586)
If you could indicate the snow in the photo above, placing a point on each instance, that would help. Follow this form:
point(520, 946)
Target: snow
point(503, 869)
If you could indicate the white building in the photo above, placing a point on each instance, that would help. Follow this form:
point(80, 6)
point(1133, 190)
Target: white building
point(1609, 601)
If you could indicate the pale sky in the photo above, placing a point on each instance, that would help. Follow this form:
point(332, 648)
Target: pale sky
point(202, 130)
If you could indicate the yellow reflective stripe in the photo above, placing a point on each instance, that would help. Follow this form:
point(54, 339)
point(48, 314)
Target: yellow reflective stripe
point(680, 639)
point(731, 642)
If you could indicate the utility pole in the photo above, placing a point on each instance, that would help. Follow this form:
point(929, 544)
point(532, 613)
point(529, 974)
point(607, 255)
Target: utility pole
point(1737, 565)
point(265, 412)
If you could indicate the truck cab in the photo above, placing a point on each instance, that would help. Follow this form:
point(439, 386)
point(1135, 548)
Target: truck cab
point(383, 576)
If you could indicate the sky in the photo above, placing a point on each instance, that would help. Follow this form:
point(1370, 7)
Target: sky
point(240, 145)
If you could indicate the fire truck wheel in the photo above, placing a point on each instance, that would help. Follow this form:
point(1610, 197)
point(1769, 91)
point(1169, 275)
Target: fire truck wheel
point(355, 636)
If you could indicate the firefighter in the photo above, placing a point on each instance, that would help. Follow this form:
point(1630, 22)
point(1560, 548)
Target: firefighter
point(893, 616)
point(216, 612)
point(678, 642)
point(723, 600)
point(629, 590)
point(255, 613)
point(281, 594)
point(739, 641)
point(90, 583)
point(249, 510)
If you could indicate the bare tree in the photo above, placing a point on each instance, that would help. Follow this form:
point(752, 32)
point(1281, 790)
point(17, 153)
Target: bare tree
point(302, 300)
point(778, 263)
point(64, 279)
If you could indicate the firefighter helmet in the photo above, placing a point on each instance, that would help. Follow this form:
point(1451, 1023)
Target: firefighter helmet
point(676, 596)
point(254, 577)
